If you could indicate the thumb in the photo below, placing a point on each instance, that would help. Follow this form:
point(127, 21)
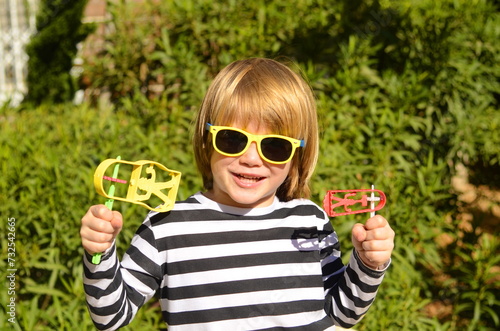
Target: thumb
point(358, 235)
point(116, 222)
point(101, 212)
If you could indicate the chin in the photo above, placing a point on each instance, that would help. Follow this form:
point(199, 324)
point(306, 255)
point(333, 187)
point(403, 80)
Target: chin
point(252, 203)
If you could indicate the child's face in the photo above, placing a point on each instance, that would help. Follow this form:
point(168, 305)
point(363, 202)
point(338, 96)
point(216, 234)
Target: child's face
point(246, 181)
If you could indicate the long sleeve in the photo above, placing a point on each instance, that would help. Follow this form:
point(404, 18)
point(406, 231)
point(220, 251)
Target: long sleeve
point(350, 290)
point(115, 291)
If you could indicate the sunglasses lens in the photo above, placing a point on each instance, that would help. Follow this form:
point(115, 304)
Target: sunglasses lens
point(230, 142)
point(276, 149)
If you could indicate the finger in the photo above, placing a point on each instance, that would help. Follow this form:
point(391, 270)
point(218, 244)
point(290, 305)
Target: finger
point(376, 222)
point(378, 245)
point(90, 221)
point(93, 247)
point(384, 233)
point(117, 222)
point(101, 226)
point(100, 237)
point(102, 212)
point(376, 234)
point(93, 241)
point(358, 234)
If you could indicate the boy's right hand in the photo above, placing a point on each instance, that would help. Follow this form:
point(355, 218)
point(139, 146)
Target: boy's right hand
point(100, 226)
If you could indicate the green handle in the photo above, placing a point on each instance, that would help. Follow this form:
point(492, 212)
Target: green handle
point(96, 258)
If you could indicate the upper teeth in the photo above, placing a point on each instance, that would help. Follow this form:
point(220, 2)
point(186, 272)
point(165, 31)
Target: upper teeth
point(248, 177)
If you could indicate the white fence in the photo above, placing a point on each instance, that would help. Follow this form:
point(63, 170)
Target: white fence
point(17, 24)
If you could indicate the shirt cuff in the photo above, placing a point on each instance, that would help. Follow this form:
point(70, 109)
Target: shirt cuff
point(104, 255)
point(369, 270)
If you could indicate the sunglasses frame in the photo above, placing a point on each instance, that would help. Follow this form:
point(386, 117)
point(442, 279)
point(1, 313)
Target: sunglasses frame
point(257, 138)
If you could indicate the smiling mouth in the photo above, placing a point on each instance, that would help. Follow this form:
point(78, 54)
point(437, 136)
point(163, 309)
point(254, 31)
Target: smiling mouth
point(248, 179)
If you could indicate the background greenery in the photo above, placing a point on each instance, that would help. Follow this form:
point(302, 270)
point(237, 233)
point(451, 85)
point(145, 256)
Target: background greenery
point(52, 49)
point(408, 94)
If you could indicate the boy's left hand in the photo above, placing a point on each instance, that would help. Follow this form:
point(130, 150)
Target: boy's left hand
point(373, 241)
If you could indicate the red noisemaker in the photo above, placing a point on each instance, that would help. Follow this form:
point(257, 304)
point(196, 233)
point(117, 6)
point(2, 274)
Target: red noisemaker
point(348, 202)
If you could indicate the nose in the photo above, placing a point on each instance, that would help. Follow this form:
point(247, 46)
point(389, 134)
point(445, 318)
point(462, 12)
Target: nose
point(251, 156)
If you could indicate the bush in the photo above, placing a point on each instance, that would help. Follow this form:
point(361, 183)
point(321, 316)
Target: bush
point(52, 49)
point(48, 158)
point(407, 92)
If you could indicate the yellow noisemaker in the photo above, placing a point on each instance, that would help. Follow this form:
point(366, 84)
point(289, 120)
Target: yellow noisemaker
point(147, 180)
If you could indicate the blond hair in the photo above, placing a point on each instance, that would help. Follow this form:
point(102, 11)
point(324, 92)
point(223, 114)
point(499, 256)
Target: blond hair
point(270, 93)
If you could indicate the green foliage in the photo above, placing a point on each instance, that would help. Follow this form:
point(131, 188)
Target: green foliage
point(52, 49)
point(473, 279)
point(48, 157)
point(406, 91)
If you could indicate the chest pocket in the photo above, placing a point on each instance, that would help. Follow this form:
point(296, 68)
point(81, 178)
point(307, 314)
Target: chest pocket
point(306, 239)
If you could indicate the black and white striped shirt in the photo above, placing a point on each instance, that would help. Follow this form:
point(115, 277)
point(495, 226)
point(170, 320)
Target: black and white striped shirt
point(217, 267)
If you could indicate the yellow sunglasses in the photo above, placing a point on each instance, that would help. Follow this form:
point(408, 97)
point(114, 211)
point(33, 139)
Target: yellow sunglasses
point(272, 148)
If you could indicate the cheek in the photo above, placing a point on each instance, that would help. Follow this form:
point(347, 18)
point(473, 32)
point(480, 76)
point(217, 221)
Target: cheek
point(218, 163)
